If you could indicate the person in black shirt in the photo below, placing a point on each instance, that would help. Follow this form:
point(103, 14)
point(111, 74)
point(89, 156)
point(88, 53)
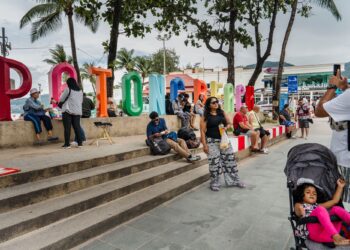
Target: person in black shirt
point(218, 157)
point(88, 105)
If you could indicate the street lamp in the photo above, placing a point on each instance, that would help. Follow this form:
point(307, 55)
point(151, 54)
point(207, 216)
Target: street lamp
point(163, 38)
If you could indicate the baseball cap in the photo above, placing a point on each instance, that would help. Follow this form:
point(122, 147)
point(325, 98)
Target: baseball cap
point(34, 90)
point(302, 181)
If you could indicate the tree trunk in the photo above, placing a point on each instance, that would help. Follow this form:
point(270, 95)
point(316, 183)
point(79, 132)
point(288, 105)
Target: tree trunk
point(69, 13)
point(113, 44)
point(283, 52)
point(231, 49)
point(261, 59)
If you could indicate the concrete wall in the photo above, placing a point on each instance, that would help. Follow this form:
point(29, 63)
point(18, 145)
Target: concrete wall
point(21, 133)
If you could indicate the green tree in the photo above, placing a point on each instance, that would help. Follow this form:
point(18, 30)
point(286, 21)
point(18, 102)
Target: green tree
point(144, 66)
point(219, 30)
point(305, 12)
point(125, 60)
point(58, 55)
point(128, 17)
point(46, 17)
point(171, 61)
point(85, 75)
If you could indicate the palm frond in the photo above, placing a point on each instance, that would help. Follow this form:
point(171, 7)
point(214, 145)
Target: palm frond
point(89, 22)
point(331, 6)
point(50, 61)
point(45, 24)
point(39, 11)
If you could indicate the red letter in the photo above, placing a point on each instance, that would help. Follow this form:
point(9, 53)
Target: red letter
point(6, 93)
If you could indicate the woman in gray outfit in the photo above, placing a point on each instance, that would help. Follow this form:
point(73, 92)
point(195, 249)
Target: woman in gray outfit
point(72, 99)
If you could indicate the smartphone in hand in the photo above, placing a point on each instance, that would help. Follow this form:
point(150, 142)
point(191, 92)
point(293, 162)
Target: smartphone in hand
point(336, 67)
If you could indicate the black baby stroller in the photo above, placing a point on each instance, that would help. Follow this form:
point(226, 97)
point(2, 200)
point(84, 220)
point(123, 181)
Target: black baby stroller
point(316, 162)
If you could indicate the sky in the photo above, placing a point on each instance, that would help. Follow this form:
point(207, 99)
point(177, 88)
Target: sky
point(317, 40)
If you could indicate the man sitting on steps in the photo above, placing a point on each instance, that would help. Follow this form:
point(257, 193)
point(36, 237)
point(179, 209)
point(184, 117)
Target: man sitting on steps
point(157, 128)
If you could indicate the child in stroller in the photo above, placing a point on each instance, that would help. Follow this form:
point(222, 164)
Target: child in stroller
point(306, 205)
point(316, 162)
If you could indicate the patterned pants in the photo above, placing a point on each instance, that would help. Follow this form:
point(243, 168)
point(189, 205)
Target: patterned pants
point(221, 161)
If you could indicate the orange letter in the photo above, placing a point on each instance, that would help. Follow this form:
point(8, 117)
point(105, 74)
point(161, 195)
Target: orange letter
point(200, 87)
point(101, 89)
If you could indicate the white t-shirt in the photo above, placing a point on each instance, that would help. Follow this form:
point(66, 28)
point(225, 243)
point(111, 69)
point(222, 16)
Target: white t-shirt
point(339, 109)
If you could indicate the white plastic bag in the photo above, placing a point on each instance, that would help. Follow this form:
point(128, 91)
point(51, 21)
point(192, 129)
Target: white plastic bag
point(224, 141)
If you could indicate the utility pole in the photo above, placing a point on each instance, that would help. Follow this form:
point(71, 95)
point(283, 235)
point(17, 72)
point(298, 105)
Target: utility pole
point(164, 38)
point(4, 44)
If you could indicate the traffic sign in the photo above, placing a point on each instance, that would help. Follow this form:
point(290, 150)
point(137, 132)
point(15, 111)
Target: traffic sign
point(292, 84)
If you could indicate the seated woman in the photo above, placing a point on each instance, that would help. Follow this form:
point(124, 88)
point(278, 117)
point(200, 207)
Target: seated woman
point(34, 112)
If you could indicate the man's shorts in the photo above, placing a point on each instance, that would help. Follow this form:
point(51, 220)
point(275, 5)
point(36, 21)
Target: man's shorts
point(287, 123)
point(303, 123)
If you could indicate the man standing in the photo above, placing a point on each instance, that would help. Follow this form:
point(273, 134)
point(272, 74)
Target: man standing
point(338, 109)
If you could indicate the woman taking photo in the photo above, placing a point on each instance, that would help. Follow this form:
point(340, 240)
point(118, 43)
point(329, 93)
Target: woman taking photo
point(71, 101)
point(218, 158)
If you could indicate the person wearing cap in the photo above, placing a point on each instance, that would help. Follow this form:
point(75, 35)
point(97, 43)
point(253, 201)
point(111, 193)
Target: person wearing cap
point(34, 112)
point(307, 195)
point(157, 128)
point(285, 120)
point(241, 125)
point(338, 109)
point(178, 110)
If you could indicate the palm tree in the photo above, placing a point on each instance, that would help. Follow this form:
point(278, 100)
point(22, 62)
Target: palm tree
point(85, 75)
point(327, 4)
point(47, 16)
point(143, 66)
point(125, 60)
point(58, 55)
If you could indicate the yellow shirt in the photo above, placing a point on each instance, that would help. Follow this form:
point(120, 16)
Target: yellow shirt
point(255, 120)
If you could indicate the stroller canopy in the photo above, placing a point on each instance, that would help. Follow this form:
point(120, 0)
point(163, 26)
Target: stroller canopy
point(316, 162)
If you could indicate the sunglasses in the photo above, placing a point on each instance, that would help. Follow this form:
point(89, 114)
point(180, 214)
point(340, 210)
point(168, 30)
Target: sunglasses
point(214, 102)
point(156, 119)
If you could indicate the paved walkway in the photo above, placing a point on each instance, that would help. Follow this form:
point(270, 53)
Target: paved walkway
point(242, 219)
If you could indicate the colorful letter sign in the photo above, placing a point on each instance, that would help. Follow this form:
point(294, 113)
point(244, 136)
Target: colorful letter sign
point(56, 86)
point(101, 89)
point(176, 84)
point(200, 88)
point(157, 93)
point(240, 90)
point(228, 98)
point(249, 97)
point(214, 88)
point(132, 109)
point(6, 93)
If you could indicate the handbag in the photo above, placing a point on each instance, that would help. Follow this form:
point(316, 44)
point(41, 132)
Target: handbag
point(60, 104)
point(224, 141)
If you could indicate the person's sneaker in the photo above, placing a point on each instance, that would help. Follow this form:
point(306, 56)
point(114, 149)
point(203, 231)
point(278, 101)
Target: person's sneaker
point(74, 144)
point(293, 137)
point(193, 158)
point(66, 146)
point(264, 151)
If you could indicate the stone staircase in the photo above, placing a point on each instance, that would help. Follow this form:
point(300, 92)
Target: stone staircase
point(62, 206)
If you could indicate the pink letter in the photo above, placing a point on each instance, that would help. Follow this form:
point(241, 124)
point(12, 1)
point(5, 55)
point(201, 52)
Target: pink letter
point(240, 90)
point(56, 86)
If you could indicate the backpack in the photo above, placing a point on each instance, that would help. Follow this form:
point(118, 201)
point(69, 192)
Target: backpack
point(186, 134)
point(158, 146)
point(193, 143)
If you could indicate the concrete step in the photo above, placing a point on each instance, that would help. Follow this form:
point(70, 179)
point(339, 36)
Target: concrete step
point(79, 228)
point(26, 219)
point(33, 192)
point(62, 166)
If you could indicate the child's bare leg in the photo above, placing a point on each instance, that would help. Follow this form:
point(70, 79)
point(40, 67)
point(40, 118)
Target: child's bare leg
point(340, 241)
